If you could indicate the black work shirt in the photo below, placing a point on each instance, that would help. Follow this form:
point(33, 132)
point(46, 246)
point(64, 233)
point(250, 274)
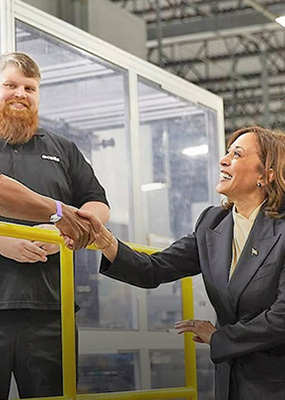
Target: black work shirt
point(52, 166)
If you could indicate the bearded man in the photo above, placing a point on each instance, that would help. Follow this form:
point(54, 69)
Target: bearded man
point(30, 329)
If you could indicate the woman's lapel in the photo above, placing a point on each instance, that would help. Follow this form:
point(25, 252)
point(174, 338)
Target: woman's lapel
point(258, 245)
point(219, 248)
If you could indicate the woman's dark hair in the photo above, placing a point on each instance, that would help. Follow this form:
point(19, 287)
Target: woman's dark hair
point(272, 155)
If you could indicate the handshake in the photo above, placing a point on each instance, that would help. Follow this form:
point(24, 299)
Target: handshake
point(81, 228)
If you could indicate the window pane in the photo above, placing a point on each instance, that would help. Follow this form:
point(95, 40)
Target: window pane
point(106, 373)
point(177, 182)
point(104, 303)
point(167, 370)
point(164, 306)
point(179, 152)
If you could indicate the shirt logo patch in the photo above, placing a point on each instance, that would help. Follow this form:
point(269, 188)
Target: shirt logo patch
point(50, 158)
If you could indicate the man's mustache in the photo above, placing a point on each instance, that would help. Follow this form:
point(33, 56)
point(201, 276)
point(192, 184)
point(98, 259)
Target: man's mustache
point(18, 101)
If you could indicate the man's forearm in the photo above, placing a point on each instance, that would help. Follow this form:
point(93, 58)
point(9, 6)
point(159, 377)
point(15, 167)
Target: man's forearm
point(19, 202)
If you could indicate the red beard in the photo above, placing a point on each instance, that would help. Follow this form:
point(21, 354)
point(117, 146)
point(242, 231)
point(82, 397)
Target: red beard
point(17, 126)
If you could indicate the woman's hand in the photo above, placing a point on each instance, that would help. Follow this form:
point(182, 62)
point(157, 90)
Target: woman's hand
point(103, 238)
point(203, 330)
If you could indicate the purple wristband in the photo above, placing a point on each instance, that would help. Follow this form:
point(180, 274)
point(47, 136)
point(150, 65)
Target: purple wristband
point(58, 208)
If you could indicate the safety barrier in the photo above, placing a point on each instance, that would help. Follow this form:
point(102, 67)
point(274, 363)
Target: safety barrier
point(68, 323)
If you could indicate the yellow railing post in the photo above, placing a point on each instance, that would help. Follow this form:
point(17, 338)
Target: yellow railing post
point(189, 345)
point(68, 323)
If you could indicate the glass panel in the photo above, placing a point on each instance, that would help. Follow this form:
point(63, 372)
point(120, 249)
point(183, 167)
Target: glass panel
point(167, 370)
point(104, 303)
point(179, 153)
point(85, 99)
point(205, 373)
point(106, 373)
point(164, 306)
point(178, 178)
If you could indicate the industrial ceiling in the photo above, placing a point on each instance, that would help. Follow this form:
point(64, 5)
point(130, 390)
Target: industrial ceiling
point(233, 48)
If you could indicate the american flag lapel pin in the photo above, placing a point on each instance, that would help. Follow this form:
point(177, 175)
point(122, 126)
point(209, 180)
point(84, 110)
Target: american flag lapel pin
point(254, 252)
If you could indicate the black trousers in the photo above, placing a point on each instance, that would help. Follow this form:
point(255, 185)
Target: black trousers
point(30, 347)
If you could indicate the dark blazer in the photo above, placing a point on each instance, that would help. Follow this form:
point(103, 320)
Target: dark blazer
point(248, 348)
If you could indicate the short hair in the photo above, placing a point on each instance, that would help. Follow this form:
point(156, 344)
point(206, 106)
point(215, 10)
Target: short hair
point(272, 156)
point(25, 63)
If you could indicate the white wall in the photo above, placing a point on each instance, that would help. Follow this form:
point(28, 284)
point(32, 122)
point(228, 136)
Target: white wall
point(115, 25)
point(49, 6)
point(105, 20)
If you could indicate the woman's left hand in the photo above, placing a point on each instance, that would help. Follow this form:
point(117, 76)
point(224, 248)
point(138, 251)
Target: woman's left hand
point(203, 330)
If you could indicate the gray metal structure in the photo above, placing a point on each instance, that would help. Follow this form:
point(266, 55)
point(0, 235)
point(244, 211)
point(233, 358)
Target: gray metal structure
point(233, 48)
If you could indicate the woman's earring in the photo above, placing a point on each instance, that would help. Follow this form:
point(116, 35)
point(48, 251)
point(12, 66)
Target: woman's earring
point(258, 184)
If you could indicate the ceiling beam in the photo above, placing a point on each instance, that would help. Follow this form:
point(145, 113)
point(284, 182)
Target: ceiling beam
point(223, 57)
point(227, 89)
point(239, 77)
point(239, 20)
point(261, 9)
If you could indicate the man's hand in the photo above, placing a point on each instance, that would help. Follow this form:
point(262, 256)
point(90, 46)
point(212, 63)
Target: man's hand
point(49, 248)
point(75, 227)
point(27, 251)
point(21, 250)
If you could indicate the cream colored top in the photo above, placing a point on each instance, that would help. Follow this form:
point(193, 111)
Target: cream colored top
point(242, 227)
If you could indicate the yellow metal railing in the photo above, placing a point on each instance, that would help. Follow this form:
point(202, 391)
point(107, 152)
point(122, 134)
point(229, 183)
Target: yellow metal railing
point(188, 392)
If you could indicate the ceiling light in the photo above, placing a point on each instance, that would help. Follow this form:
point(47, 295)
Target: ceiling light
point(153, 186)
point(281, 20)
point(196, 150)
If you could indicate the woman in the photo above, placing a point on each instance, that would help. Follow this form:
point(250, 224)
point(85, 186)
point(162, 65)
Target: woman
point(240, 250)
